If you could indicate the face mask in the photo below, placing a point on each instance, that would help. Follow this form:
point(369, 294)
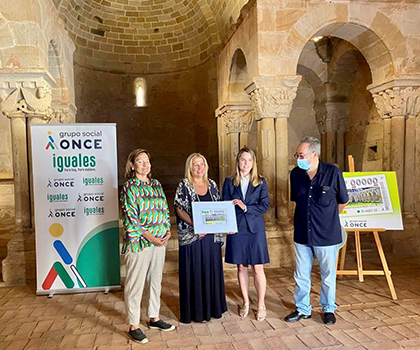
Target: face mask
point(303, 164)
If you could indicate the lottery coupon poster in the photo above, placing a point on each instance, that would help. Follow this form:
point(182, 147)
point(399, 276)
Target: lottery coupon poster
point(76, 207)
point(373, 201)
point(214, 217)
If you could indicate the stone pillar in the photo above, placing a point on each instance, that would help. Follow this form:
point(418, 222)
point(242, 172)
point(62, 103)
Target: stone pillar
point(272, 98)
point(235, 123)
point(223, 147)
point(266, 154)
point(335, 126)
point(21, 173)
point(397, 103)
point(417, 168)
point(24, 95)
point(341, 150)
point(409, 169)
point(321, 118)
point(412, 155)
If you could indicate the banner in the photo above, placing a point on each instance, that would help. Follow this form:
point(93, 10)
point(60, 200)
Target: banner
point(373, 201)
point(76, 207)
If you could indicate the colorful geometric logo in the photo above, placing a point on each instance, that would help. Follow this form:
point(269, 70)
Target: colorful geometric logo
point(56, 230)
point(50, 215)
point(79, 197)
point(51, 143)
point(49, 184)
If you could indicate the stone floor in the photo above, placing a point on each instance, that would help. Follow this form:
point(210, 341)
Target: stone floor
point(367, 318)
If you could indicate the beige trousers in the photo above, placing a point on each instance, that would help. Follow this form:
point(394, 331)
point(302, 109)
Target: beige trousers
point(144, 267)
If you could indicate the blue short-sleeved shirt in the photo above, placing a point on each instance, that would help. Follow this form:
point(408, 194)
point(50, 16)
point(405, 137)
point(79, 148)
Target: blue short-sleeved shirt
point(316, 215)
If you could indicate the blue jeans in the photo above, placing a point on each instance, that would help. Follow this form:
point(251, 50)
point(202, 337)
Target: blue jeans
point(327, 257)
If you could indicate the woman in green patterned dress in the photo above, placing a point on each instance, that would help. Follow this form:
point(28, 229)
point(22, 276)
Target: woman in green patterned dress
point(146, 221)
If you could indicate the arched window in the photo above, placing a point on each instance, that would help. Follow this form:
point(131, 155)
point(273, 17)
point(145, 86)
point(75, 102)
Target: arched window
point(140, 92)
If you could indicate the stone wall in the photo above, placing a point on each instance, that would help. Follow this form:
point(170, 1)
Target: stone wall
point(35, 52)
point(178, 120)
point(363, 96)
point(246, 40)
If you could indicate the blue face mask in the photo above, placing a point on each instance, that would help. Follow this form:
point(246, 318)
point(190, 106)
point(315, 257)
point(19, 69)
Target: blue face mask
point(303, 164)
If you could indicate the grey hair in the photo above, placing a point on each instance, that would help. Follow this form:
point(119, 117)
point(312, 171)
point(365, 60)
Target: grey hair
point(314, 144)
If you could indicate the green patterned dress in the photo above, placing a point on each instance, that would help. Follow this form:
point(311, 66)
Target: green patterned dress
point(144, 208)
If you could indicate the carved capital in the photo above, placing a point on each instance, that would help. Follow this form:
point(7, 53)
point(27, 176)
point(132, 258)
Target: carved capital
point(237, 117)
point(397, 98)
point(321, 118)
point(26, 95)
point(332, 116)
point(272, 97)
point(64, 112)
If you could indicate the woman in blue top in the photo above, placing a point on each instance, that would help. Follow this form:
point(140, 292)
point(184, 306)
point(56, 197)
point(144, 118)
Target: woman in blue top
point(249, 194)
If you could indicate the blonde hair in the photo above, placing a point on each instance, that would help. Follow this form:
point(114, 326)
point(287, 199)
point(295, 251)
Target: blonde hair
point(129, 171)
point(254, 178)
point(189, 167)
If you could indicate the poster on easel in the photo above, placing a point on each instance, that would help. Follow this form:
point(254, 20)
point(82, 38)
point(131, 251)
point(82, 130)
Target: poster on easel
point(76, 207)
point(373, 201)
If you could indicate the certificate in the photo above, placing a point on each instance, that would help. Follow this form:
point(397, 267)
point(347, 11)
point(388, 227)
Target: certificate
point(214, 217)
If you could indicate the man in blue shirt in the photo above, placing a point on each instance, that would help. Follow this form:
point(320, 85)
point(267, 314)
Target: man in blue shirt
point(320, 194)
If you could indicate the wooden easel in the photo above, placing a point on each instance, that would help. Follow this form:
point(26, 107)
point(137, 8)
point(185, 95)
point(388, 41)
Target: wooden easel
point(360, 272)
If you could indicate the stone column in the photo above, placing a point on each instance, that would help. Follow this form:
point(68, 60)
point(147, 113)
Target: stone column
point(412, 155)
point(272, 98)
point(321, 118)
point(266, 154)
point(223, 147)
point(23, 95)
point(397, 103)
point(409, 168)
point(235, 120)
point(334, 125)
point(417, 168)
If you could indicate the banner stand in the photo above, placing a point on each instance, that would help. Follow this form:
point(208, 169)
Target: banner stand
point(105, 290)
point(75, 182)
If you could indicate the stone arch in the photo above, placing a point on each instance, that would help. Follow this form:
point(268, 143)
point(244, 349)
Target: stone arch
point(320, 92)
point(344, 63)
point(238, 77)
point(371, 32)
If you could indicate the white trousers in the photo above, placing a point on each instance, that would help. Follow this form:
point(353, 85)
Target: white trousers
point(144, 267)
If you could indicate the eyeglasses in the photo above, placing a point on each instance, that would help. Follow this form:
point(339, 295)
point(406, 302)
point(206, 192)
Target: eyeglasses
point(302, 156)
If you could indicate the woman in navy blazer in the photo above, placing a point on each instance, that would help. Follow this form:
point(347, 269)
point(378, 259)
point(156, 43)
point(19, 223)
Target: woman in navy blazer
point(249, 194)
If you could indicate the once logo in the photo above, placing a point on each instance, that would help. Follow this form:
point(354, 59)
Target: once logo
point(358, 224)
point(81, 144)
point(63, 214)
point(63, 183)
point(51, 143)
point(93, 198)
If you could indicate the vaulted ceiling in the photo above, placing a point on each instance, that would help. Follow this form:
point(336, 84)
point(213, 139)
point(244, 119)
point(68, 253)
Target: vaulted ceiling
point(147, 35)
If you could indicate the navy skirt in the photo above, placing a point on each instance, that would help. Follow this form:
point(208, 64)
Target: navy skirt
point(247, 248)
point(201, 282)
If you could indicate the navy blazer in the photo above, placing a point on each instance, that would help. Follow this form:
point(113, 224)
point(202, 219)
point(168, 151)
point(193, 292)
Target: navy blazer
point(256, 200)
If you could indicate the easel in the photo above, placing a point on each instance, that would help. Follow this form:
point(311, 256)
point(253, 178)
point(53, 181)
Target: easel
point(360, 272)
